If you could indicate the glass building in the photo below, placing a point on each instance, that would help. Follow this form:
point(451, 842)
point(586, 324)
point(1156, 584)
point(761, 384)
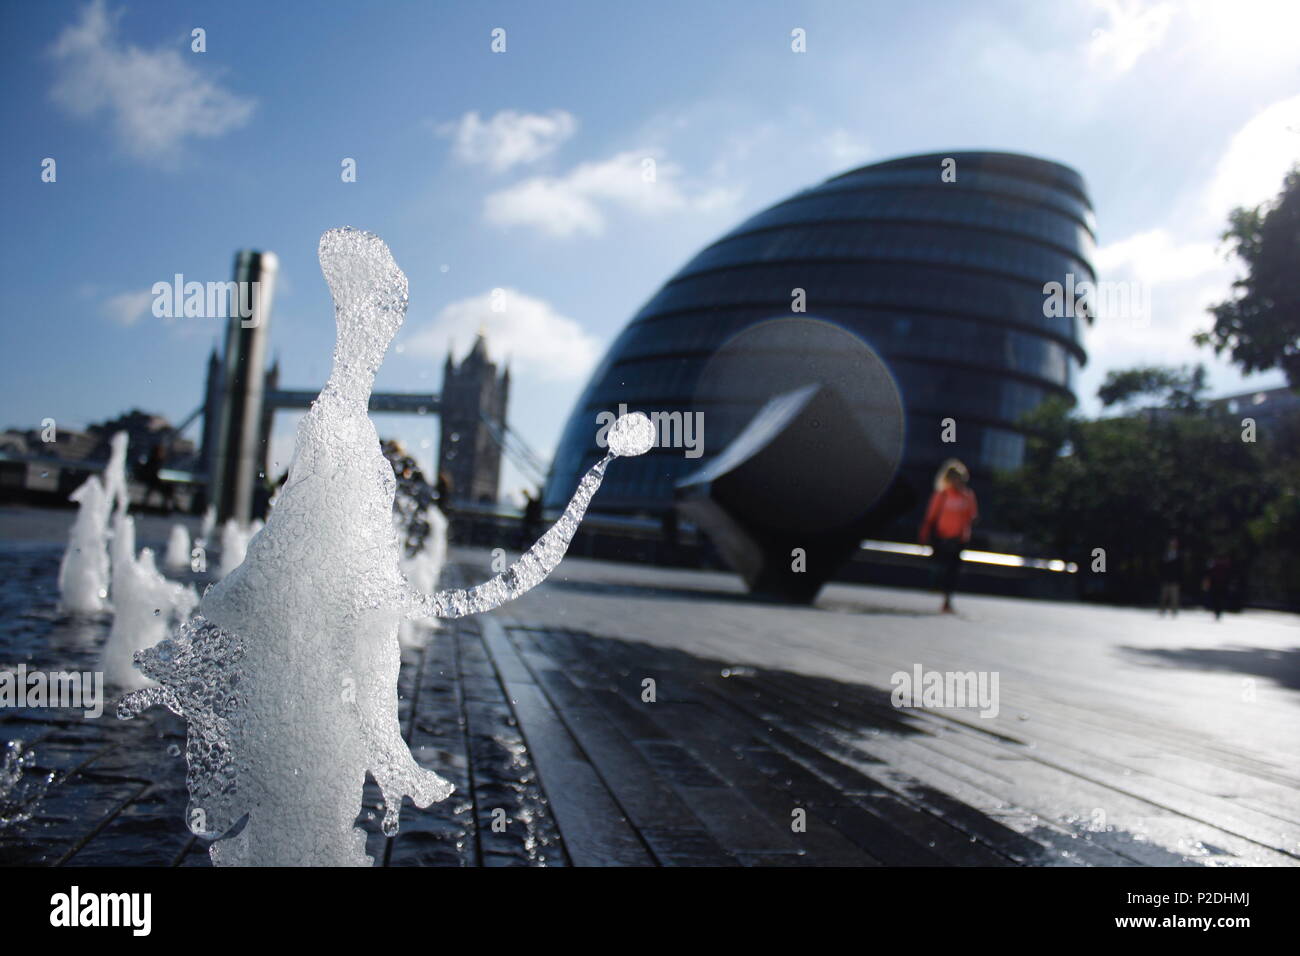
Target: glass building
point(943, 279)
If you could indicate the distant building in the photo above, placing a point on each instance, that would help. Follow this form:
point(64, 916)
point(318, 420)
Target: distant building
point(46, 472)
point(76, 445)
point(1268, 407)
point(944, 278)
point(473, 406)
point(68, 444)
point(144, 432)
point(13, 442)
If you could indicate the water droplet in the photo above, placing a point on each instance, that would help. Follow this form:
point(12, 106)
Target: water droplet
point(632, 434)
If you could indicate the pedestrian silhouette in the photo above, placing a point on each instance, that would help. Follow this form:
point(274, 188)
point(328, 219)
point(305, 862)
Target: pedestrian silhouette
point(1171, 577)
point(948, 519)
point(151, 475)
point(532, 515)
point(1218, 575)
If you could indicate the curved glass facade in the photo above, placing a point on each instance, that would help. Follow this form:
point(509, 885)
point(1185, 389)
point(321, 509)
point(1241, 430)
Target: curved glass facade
point(943, 279)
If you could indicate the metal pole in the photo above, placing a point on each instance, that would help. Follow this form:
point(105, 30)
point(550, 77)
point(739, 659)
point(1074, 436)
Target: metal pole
point(239, 452)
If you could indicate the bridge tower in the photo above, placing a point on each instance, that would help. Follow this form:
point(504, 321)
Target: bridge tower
point(474, 401)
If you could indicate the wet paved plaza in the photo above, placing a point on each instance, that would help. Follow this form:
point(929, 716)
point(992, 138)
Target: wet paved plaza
point(625, 714)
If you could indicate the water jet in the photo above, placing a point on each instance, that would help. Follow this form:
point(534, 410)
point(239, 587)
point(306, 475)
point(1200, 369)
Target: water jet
point(287, 676)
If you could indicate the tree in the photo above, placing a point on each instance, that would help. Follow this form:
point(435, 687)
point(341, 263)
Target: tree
point(1176, 388)
point(1259, 326)
point(1125, 484)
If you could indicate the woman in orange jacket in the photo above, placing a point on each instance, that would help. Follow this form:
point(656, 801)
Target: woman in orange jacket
point(949, 517)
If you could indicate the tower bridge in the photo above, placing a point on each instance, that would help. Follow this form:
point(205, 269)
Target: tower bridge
point(242, 396)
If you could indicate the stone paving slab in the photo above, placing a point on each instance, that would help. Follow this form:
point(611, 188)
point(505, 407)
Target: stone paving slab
point(769, 740)
point(1122, 739)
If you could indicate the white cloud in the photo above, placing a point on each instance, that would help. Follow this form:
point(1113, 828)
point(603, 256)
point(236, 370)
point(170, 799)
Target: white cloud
point(1184, 267)
point(577, 202)
point(536, 340)
point(128, 308)
point(1155, 256)
point(552, 205)
point(1242, 36)
point(1177, 280)
point(1133, 28)
point(845, 149)
point(1178, 311)
point(1256, 159)
point(155, 99)
point(509, 138)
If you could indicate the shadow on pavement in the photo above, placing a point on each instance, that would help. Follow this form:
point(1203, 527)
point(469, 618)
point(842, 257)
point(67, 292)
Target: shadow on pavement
point(739, 743)
point(1280, 666)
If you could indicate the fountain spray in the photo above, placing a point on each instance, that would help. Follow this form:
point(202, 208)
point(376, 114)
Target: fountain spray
point(287, 675)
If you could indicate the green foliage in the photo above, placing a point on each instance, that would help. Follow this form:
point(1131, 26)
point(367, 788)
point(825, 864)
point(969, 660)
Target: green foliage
point(1178, 388)
point(1259, 326)
point(1278, 524)
point(1125, 484)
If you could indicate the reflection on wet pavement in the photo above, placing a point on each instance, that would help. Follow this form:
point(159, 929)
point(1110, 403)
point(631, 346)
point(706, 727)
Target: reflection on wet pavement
point(569, 746)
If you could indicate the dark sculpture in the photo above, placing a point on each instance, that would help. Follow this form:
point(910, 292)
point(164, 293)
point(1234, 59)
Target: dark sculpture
point(791, 497)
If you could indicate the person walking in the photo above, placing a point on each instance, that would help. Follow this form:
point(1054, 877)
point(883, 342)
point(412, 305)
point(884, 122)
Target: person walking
point(531, 525)
point(1171, 577)
point(1218, 575)
point(151, 474)
point(443, 489)
point(948, 519)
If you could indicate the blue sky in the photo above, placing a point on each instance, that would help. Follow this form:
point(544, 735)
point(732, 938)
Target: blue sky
point(522, 170)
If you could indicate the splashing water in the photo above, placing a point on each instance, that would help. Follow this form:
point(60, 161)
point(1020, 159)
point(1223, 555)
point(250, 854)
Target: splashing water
point(115, 490)
point(522, 576)
point(178, 549)
point(288, 675)
point(144, 606)
point(209, 523)
point(83, 573)
point(20, 789)
point(234, 545)
point(630, 435)
point(424, 568)
point(143, 601)
point(122, 549)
